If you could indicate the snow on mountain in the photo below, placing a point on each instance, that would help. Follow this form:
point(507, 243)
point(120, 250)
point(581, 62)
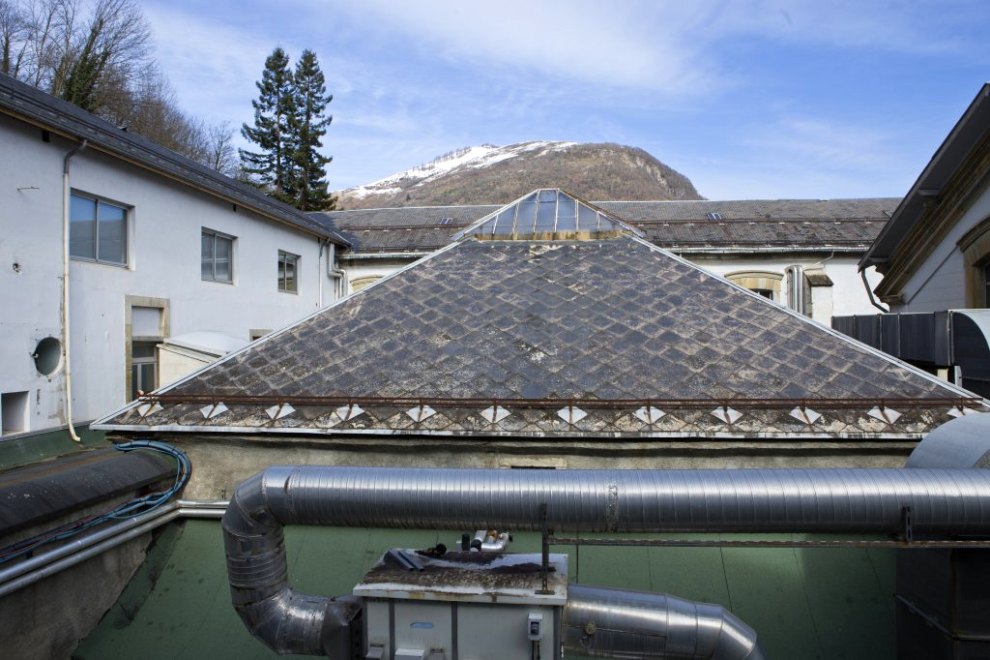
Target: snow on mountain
point(477, 157)
point(488, 174)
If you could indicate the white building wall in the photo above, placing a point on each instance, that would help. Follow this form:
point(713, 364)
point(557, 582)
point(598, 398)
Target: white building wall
point(940, 282)
point(165, 224)
point(30, 268)
point(846, 296)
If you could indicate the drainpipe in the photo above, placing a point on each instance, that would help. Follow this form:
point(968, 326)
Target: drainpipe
point(869, 292)
point(65, 288)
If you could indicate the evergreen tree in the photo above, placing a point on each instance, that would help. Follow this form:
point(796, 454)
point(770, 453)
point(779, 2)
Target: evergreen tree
point(309, 126)
point(274, 117)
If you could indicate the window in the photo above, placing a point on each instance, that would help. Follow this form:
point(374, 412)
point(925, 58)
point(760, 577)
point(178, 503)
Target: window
point(767, 284)
point(13, 412)
point(975, 248)
point(146, 322)
point(217, 257)
point(144, 368)
point(363, 282)
point(288, 272)
point(97, 230)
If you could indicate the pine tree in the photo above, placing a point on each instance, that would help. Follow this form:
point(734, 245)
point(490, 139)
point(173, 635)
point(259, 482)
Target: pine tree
point(272, 167)
point(309, 126)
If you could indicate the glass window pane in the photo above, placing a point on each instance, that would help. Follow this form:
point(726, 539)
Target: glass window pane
point(223, 263)
point(527, 215)
point(545, 211)
point(82, 227)
point(587, 218)
point(207, 258)
point(290, 273)
point(143, 349)
point(112, 234)
point(566, 213)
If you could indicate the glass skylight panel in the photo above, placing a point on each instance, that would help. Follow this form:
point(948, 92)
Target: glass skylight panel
point(526, 215)
point(590, 220)
point(545, 213)
point(566, 213)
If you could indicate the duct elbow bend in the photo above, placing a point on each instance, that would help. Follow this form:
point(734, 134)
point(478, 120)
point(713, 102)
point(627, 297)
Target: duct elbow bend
point(289, 622)
point(734, 639)
point(630, 624)
point(286, 621)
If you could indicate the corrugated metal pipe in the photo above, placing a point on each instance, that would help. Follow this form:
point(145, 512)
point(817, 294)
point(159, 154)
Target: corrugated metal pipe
point(613, 623)
point(950, 501)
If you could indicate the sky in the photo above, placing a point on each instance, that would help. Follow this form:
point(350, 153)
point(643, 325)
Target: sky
point(750, 99)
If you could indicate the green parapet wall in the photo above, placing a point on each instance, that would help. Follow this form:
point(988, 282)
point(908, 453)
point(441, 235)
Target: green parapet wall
point(803, 602)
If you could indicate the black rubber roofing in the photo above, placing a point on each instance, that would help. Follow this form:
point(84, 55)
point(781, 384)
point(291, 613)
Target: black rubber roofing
point(37, 493)
point(540, 325)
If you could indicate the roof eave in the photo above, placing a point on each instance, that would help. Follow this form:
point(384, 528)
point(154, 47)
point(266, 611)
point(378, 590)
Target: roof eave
point(943, 165)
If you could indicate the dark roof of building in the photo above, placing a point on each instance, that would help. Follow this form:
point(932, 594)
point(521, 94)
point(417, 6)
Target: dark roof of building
point(683, 226)
point(34, 494)
point(554, 338)
point(969, 133)
point(34, 106)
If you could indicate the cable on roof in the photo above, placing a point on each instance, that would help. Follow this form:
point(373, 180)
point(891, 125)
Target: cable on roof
point(129, 509)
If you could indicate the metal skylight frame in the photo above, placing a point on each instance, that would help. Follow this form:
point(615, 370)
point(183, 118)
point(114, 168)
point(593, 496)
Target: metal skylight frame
point(529, 217)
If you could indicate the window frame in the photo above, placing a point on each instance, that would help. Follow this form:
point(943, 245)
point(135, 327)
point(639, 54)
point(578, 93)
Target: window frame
point(215, 236)
point(763, 280)
point(284, 257)
point(975, 248)
point(98, 202)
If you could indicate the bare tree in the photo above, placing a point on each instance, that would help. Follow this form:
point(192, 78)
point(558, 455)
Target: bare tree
point(98, 56)
point(13, 30)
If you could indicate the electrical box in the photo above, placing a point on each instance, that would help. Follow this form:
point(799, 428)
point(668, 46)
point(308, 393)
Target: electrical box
point(463, 606)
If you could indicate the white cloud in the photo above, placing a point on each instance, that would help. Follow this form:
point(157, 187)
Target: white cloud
point(610, 44)
point(827, 144)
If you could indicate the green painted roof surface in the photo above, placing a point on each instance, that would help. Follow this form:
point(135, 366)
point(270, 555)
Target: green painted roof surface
point(804, 603)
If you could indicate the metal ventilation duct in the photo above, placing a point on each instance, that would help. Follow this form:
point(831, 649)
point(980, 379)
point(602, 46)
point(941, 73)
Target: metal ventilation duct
point(812, 500)
point(613, 623)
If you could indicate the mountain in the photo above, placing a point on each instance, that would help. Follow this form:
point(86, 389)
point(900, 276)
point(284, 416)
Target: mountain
point(497, 175)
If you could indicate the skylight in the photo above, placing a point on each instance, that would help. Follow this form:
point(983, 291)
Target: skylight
point(545, 215)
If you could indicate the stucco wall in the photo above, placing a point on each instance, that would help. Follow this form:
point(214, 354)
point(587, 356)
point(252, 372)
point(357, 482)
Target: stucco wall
point(165, 224)
point(220, 463)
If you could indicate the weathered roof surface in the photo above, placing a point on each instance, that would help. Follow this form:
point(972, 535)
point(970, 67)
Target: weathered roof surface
point(810, 225)
point(601, 338)
point(31, 104)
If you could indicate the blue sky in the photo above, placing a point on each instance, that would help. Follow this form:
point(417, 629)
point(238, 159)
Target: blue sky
point(749, 98)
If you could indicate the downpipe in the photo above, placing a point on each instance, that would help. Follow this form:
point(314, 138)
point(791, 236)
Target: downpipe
point(66, 335)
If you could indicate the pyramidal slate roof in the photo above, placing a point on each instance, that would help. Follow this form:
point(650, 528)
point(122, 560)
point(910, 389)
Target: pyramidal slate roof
point(606, 337)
